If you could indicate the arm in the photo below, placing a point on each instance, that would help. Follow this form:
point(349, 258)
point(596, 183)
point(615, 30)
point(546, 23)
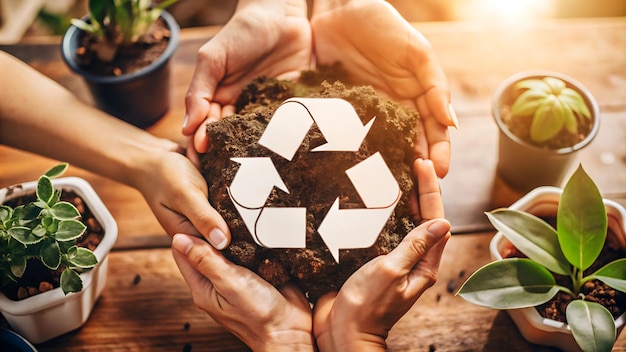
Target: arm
point(40, 116)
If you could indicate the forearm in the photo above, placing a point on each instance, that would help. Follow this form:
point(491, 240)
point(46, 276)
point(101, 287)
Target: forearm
point(40, 116)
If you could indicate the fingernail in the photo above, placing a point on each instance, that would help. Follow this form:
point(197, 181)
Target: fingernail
point(185, 121)
point(438, 227)
point(217, 239)
point(182, 243)
point(452, 115)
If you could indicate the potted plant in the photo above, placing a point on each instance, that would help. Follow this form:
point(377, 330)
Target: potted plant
point(544, 118)
point(44, 242)
point(561, 265)
point(122, 49)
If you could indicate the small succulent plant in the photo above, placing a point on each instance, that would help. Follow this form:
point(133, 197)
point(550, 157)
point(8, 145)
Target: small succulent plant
point(117, 22)
point(552, 105)
point(570, 249)
point(46, 229)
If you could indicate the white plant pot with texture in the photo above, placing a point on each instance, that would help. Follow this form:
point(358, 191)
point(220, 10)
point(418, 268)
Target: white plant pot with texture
point(52, 313)
point(543, 201)
point(524, 166)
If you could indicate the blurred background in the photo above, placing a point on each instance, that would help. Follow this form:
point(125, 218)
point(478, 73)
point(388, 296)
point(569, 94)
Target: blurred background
point(23, 19)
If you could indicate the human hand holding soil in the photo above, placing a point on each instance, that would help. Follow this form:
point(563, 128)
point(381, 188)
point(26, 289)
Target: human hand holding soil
point(380, 48)
point(263, 38)
point(262, 316)
point(376, 296)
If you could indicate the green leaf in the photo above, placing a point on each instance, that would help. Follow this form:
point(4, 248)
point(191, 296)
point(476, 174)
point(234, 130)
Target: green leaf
point(532, 236)
point(69, 230)
point(39, 230)
point(555, 84)
point(64, 211)
point(18, 265)
point(548, 120)
point(81, 257)
point(574, 101)
point(50, 254)
point(57, 171)
point(70, 281)
point(24, 235)
point(6, 213)
point(98, 11)
point(83, 26)
point(45, 190)
point(592, 326)
point(527, 103)
point(509, 284)
point(570, 122)
point(534, 84)
point(581, 220)
point(613, 274)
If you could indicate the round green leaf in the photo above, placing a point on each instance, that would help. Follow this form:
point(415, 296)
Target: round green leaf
point(509, 284)
point(6, 213)
point(69, 230)
point(527, 103)
point(534, 84)
point(532, 236)
point(574, 101)
point(18, 265)
point(555, 84)
point(81, 257)
point(45, 190)
point(70, 281)
point(64, 211)
point(51, 254)
point(24, 235)
point(57, 170)
point(592, 326)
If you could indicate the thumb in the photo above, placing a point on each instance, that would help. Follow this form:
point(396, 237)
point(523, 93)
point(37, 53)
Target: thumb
point(418, 242)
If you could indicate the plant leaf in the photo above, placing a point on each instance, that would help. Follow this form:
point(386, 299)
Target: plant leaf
point(18, 265)
point(548, 120)
point(613, 274)
point(533, 84)
point(592, 325)
point(556, 85)
point(569, 120)
point(581, 220)
point(57, 171)
point(527, 102)
point(98, 11)
point(64, 211)
point(45, 190)
point(24, 235)
point(532, 236)
point(69, 230)
point(509, 284)
point(81, 257)
point(575, 102)
point(6, 213)
point(70, 281)
point(50, 254)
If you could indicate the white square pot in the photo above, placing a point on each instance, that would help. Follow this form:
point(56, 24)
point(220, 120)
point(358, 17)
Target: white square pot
point(543, 201)
point(49, 314)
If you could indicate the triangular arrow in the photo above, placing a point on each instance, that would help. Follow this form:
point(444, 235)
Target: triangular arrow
point(254, 181)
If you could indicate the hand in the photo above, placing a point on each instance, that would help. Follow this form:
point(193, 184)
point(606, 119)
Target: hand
point(263, 317)
point(263, 38)
point(378, 47)
point(178, 196)
point(377, 295)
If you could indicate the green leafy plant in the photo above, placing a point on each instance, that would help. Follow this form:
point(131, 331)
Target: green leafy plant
point(571, 248)
point(46, 229)
point(554, 107)
point(118, 22)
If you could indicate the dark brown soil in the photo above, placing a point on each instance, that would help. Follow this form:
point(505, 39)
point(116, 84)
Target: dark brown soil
point(594, 291)
point(313, 179)
point(129, 58)
point(38, 278)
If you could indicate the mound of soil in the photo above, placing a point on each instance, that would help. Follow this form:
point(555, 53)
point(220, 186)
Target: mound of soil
point(314, 180)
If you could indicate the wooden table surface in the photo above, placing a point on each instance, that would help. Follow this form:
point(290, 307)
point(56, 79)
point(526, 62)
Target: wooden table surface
point(146, 305)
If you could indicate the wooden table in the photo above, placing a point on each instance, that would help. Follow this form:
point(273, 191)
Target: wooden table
point(146, 305)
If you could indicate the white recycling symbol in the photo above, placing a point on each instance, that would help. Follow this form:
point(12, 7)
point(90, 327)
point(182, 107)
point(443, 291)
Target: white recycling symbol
point(285, 227)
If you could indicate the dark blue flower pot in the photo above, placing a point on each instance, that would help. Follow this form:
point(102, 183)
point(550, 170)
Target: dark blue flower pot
point(141, 97)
